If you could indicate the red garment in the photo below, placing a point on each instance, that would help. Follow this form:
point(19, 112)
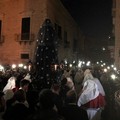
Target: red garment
point(96, 103)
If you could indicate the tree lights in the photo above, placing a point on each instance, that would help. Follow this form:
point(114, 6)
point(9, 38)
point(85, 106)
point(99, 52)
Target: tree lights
point(46, 58)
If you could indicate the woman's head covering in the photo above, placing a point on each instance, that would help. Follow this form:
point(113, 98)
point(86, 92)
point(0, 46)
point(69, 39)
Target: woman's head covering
point(87, 71)
point(88, 75)
point(10, 84)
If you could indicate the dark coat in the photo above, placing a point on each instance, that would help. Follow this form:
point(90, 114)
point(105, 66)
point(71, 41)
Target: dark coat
point(73, 112)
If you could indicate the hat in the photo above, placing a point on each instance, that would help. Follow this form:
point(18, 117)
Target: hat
point(88, 75)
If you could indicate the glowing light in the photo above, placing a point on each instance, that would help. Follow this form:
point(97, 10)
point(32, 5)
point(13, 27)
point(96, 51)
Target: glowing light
point(88, 63)
point(65, 61)
point(13, 66)
point(29, 67)
point(80, 64)
point(25, 67)
point(105, 70)
point(74, 61)
point(1, 68)
point(113, 76)
point(112, 66)
point(83, 62)
point(115, 68)
point(103, 49)
point(97, 62)
point(70, 65)
point(20, 65)
point(55, 67)
point(104, 63)
point(108, 67)
point(101, 65)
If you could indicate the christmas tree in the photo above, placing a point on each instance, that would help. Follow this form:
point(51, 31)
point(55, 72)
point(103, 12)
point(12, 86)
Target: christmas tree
point(46, 55)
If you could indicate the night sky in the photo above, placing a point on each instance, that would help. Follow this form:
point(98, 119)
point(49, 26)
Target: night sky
point(93, 16)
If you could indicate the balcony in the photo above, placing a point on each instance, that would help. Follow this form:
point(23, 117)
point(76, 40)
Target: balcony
point(2, 38)
point(25, 38)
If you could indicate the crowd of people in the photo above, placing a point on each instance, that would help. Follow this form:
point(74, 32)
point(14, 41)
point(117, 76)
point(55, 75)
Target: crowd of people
point(76, 97)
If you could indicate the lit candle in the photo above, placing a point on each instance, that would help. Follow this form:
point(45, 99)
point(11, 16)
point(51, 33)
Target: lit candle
point(29, 67)
point(55, 67)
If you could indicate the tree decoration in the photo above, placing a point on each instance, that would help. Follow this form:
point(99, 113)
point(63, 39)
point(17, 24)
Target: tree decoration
point(46, 55)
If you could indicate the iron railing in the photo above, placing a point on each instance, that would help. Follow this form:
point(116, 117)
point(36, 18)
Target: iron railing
point(25, 37)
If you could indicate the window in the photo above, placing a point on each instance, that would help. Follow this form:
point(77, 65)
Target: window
point(66, 43)
point(58, 30)
point(65, 37)
point(24, 56)
point(25, 31)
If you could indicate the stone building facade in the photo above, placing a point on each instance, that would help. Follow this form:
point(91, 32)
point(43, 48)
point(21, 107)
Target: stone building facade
point(20, 21)
point(116, 30)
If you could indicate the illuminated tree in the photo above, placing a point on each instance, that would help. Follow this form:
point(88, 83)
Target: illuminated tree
point(46, 55)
